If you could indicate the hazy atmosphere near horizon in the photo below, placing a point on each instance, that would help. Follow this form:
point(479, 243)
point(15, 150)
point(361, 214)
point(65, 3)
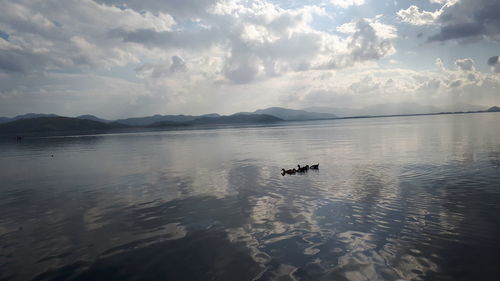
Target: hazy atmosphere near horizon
point(249, 140)
point(117, 59)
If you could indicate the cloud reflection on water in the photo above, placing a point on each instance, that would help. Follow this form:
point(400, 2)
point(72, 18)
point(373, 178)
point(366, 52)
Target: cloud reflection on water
point(402, 208)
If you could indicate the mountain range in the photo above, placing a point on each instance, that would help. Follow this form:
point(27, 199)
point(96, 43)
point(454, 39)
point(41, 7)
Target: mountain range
point(51, 124)
point(396, 109)
point(293, 114)
point(43, 123)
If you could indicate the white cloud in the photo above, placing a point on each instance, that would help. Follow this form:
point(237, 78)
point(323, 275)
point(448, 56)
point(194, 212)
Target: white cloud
point(439, 64)
point(373, 85)
point(383, 31)
point(189, 56)
point(414, 16)
point(438, 1)
point(70, 34)
point(465, 64)
point(347, 3)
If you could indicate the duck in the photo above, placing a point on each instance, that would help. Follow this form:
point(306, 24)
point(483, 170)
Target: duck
point(303, 169)
point(314, 167)
point(289, 171)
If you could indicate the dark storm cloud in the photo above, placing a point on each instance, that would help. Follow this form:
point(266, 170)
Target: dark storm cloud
point(493, 61)
point(469, 18)
point(457, 31)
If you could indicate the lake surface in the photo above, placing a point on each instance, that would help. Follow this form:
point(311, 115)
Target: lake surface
point(403, 198)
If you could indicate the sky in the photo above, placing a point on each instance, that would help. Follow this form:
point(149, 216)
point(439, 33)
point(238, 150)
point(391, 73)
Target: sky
point(125, 58)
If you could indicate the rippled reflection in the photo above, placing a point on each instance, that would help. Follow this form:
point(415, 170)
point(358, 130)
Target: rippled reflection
point(413, 198)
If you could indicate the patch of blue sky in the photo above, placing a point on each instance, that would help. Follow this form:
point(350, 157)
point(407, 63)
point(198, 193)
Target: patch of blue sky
point(4, 35)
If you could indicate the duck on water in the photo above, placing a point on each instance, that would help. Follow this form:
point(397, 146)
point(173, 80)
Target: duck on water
point(289, 171)
point(299, 170)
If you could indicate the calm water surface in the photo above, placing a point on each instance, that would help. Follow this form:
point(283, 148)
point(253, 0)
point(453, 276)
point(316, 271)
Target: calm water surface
point(406, 198)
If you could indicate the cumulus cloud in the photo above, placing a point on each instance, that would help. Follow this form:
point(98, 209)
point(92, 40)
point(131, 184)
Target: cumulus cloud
point(494, 63)
point(414, 16)
point(369, 86)
point(368, 40)
point(160, 70)
point(263, 40)
point(465, 64)
point(187, 56)
point(458, 19)
point(465, 19)
point(177, 8)
point(347, 3)
point(439, 64)
point(54, 35)
point(468, 18)
point(365, 44)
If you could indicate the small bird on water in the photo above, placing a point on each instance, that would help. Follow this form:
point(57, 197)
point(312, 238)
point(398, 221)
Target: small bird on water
point(314, 167)
point(303, 169)
point(289, 171)
point(300, 169)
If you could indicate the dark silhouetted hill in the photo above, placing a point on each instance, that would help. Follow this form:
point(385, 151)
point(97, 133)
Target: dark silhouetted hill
point(25, 116)
point(494, 109)
point(93, 118)
point(150, 120)
point(54, 124)
point(166, 124)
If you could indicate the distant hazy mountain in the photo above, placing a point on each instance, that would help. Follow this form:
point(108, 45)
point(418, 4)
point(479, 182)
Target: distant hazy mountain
point(291, 114)
point(25, 116)
point(494, 109)
point(237, 118)
point(399, 108)
point(54, 124)
point(463, 107)
point(32, 115)
point(395, 109)
point(150, 120)
point(93, 118)
point(338, 111)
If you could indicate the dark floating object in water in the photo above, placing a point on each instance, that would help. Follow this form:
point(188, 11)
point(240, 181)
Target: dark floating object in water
point(289, 171)
point(300, 169)
point(19, 138)
point(303, 169)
